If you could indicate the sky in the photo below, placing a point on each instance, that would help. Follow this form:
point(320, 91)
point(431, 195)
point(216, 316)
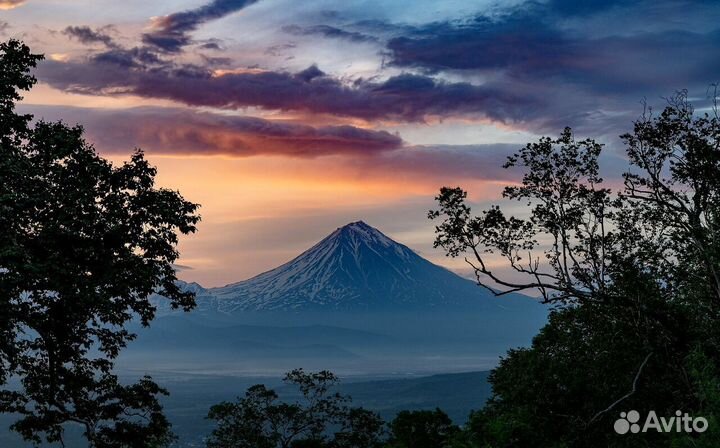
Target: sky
point(288, 119)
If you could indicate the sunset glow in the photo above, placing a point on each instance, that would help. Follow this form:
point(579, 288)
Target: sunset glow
point(275, 112)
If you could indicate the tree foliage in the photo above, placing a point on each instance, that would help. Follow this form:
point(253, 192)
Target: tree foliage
point(422, 429)
point(633, 276)
point(83, 245)
point(320, 419)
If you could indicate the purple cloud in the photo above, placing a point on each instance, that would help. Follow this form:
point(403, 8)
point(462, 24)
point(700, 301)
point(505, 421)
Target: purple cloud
point(172, 32)
point(88, 36)
point(178, 131)
point(533, 66)
point(532, 45)
point(405, 97)
point(330, 32)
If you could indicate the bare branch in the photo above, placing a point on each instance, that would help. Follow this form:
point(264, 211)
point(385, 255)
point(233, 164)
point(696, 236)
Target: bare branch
point(627, 395)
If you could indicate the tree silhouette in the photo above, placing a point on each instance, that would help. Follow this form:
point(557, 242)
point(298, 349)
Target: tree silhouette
point(360, 428)
point(261, 420)
point(633, 276)
point(83, 244)
point(421, 429)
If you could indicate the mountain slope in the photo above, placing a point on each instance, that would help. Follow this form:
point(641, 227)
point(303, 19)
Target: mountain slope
point(356, 267)
point(355, 302)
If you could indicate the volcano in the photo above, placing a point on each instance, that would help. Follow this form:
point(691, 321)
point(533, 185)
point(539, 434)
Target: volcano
point(357, 301)
point(359, 268)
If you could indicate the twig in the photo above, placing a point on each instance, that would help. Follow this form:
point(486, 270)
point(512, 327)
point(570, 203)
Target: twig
point(634, 388)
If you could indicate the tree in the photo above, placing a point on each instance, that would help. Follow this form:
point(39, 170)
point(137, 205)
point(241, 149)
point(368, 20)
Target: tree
point(360, 429)
point(568, 207)
point(632, 275)
point(84, 243)
point(422, 429)
point(261, 420)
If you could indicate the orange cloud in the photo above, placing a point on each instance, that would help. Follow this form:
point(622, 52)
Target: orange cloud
point(10, 4)
point(248, 205)
point(183, 132)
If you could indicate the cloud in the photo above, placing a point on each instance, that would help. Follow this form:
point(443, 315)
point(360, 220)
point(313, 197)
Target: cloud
point(535, 66)
point(592, 77)
point(149, 71)
point(280, 49)
point(446, 163)
point(585, 8)
point(520, 39)
point(330, 32)
point(172, 32)
point(174, 131)
point(183, 132)
point(10, 4)
point(211, 44)
point(118, 58)
point(87, 35)
point(530, 44)
point(406, 97)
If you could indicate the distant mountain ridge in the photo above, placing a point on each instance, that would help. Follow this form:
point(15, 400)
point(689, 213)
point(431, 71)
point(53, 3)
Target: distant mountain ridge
point(359, 268)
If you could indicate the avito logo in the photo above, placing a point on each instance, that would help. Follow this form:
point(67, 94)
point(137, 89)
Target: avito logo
point(681, 422)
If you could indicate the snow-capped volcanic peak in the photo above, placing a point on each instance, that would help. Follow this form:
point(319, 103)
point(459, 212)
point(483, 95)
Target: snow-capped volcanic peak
point(356, 267)
point(362, 233)
point(356, 235)
point(345, 269)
